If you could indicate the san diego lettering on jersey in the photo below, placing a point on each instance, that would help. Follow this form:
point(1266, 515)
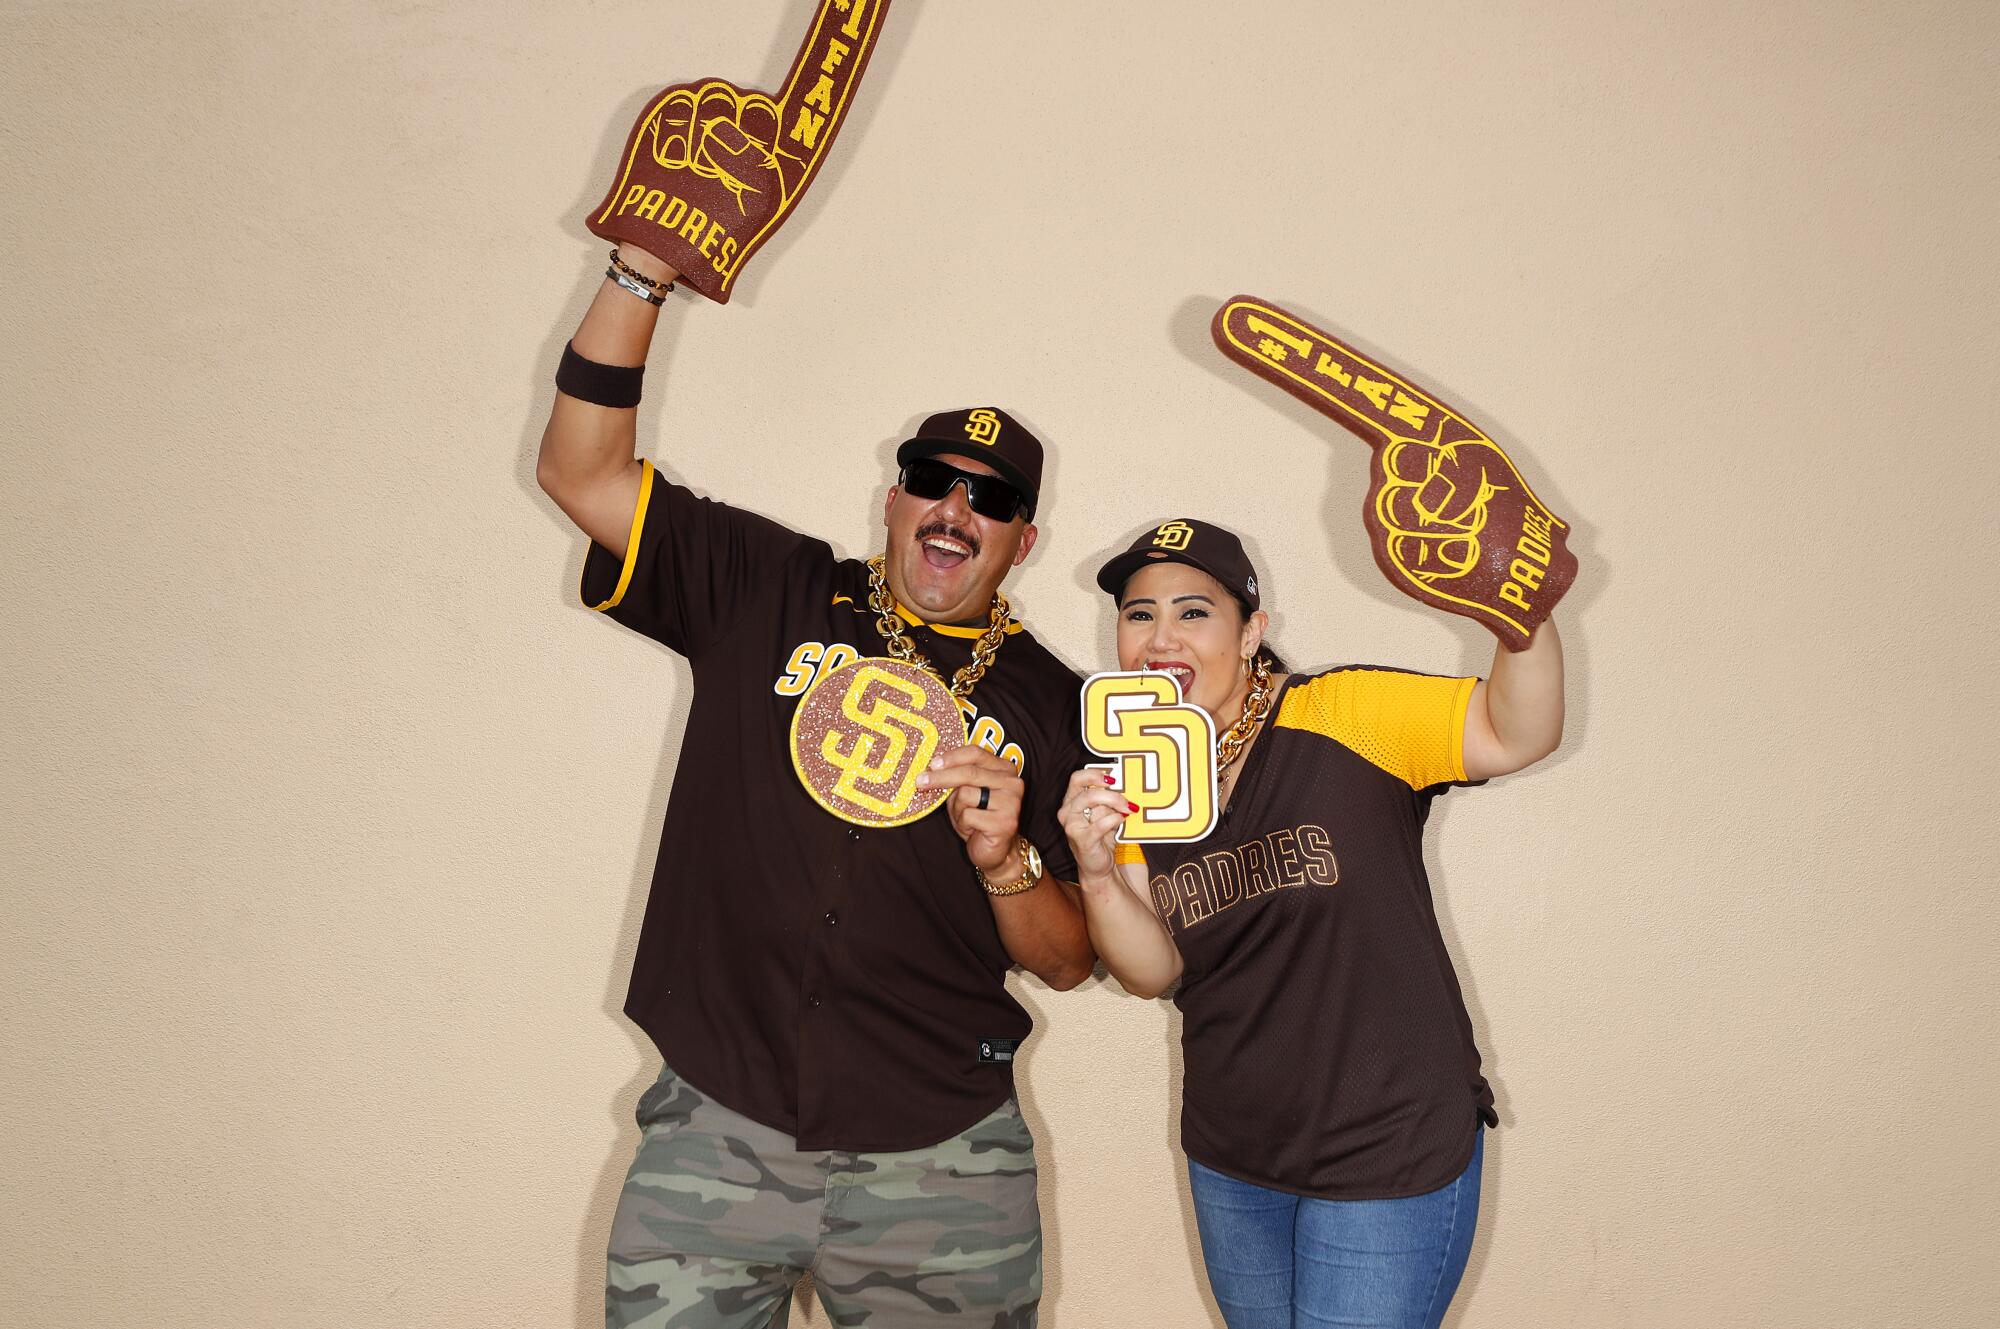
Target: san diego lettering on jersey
point(810, 659)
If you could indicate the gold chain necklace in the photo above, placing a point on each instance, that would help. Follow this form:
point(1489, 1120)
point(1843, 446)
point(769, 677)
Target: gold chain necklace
point(1255, 707)
point(890, 624)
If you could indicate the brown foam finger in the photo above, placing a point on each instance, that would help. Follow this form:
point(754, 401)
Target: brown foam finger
point(719, 103)
point(759, 121)
point(1451, 520)
point(735, 153)
point(726, 138)
point(692, 192)
point(672, 120)
point(829, 63)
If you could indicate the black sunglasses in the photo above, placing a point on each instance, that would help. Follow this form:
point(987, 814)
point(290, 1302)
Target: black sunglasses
point(988, 495)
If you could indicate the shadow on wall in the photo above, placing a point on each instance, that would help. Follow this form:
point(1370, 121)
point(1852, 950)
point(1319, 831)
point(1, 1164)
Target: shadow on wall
point(1183, 1192)
point(1049, 1158)
point(593, 1236)
point(1493, 1166)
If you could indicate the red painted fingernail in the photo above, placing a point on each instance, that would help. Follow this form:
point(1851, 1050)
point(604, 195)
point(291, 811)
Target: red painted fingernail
point(1133, 806)
point(1108, 779)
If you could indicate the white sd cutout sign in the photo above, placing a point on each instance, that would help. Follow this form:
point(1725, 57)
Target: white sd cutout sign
point(1164, 750)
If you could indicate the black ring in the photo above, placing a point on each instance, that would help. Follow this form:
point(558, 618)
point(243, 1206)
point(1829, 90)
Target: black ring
point(983, 793)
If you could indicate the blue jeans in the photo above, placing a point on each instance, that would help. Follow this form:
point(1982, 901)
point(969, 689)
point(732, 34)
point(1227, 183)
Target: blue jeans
point(1282, 1261)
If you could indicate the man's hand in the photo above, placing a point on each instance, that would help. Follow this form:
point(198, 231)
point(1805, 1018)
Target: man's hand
point(1043, 929)
point(710, 169)
point(1452, 522)
point(990, 832)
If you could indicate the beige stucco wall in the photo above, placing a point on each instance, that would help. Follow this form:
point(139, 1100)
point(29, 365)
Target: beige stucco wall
point(326, 814)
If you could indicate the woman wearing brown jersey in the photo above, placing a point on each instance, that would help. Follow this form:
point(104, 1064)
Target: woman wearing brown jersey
point(1333, 1107)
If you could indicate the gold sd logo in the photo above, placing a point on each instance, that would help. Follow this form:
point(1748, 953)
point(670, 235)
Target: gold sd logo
point(865, 731)
point(891, 745)
point(1173, 535)
point(982, 426)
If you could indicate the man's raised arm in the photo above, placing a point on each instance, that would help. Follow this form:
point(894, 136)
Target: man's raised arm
point(588, 463)
point(708, 173)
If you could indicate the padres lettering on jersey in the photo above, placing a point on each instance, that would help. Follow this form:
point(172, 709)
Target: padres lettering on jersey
point(1201, 888)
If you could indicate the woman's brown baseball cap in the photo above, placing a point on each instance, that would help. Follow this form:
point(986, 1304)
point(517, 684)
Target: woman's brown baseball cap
point(1198, 544)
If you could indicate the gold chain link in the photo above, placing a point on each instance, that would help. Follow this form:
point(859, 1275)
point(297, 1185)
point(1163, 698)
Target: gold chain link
point(890, 624)
point(1255, 708)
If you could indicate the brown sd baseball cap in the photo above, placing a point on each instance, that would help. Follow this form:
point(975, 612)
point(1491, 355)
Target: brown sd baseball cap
point(985, 432)
point(1198, 544)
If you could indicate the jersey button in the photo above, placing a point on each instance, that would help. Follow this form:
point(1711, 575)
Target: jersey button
point(854, 832)
point(831, 918)
point(812, 1001)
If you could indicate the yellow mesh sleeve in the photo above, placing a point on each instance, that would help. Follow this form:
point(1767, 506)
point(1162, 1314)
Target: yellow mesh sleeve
point(1122, 853)
point(1410, 725)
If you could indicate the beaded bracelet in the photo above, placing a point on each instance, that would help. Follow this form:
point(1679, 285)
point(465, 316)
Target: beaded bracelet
point(651, 283)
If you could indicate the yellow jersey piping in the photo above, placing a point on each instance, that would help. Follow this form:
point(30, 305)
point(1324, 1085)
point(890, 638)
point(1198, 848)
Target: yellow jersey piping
point(632, 540)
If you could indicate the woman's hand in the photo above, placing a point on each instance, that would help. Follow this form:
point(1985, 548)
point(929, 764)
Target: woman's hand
point(1117, 905)
point(1091, 814)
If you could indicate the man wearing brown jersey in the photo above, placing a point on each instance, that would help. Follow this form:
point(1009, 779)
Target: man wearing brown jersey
point(829, 997)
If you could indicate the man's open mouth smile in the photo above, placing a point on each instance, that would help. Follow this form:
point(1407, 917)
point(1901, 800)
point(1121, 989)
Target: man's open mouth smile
point(945, 548)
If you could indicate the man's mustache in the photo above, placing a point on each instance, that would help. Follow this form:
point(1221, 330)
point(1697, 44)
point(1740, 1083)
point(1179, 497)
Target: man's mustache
point(946, 529)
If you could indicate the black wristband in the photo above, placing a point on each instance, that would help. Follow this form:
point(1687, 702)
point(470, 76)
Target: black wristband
point(615, 386)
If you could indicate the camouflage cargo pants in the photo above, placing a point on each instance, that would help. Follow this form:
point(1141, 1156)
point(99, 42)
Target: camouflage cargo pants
point(720, 1216)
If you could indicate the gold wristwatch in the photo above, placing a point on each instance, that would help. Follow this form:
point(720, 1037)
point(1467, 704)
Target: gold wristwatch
point(1031, 871)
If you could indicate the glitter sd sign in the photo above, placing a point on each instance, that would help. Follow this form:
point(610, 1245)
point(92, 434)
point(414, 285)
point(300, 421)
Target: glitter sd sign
point(864, 733)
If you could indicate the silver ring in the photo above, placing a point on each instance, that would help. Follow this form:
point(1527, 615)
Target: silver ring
point(983, 793)
point(1086, 813)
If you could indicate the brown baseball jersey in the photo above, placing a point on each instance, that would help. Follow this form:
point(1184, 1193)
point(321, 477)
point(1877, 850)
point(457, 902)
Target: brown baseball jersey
point(842, 984)
point(1327, 1048)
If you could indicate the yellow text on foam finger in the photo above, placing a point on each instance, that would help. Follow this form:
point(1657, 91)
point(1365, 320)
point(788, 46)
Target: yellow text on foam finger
point(1525, 574)
point(817, 106)
point(671, 212)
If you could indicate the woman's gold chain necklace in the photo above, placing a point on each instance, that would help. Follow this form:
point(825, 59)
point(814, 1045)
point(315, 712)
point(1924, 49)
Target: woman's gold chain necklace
point(1255, 707)
point(890, 624)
